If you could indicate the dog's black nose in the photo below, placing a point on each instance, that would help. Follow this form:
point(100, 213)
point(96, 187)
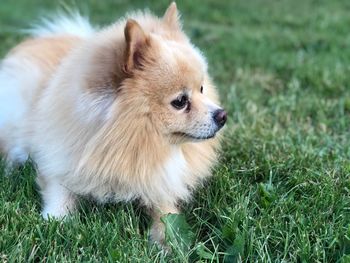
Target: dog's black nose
point(220, 117)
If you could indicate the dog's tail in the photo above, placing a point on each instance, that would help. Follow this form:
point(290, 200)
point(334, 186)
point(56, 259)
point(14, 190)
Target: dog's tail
point(72, 23)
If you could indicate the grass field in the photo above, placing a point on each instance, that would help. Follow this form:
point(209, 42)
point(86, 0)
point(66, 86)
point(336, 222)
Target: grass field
point(281, 192)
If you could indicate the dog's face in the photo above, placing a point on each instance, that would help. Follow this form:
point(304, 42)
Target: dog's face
point(172, 76)
point(186, 104)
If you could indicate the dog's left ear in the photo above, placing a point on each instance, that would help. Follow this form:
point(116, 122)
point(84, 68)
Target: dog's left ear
point(136, 44)
point(171, 17)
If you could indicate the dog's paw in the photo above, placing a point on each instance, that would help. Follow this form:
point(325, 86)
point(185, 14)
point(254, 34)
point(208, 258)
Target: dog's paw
point(46, 214)
point(157, 237)
point(56, 212)
point(157, 233)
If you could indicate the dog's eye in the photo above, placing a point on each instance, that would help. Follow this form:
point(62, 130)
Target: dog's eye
point(180, 102)
point(202, 89)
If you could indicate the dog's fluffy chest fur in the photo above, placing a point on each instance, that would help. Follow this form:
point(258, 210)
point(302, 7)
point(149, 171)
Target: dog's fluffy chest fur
point(166, 182)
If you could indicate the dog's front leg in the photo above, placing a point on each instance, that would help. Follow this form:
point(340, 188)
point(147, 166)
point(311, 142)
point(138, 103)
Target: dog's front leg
point(58, 201)
point(157, 233)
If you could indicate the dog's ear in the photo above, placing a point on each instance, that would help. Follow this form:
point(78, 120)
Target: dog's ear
point(171, 17)
point(136, 42)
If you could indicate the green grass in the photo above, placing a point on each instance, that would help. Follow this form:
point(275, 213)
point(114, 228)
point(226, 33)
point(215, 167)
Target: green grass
point(281, 192)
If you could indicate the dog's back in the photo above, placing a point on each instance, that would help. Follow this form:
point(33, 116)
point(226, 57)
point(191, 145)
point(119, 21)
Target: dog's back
point(25, 71)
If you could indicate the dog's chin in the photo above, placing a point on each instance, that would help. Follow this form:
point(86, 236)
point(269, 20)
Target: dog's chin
point(186, 137)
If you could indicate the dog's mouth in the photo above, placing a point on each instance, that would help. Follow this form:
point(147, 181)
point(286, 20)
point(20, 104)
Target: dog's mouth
point(193, 137)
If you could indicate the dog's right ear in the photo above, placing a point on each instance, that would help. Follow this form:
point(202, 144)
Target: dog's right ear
point(172, 17)
point(136, 42)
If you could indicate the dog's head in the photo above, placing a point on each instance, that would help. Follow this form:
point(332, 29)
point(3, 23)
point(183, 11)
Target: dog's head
point(169, 78)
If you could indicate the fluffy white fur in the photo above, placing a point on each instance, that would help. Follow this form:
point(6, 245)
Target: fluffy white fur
point(15, 93)
point(62, 24)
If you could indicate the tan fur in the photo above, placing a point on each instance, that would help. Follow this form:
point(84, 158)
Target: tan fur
point(46, 52)
point(103, 123)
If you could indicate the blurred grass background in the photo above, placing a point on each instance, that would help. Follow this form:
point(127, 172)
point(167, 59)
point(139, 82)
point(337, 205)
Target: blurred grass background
point(281, 192)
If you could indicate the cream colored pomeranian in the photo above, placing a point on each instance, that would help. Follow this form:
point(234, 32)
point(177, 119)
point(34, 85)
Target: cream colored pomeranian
point(123, 113)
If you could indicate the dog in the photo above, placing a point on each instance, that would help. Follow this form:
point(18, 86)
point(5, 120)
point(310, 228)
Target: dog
point(127, 112)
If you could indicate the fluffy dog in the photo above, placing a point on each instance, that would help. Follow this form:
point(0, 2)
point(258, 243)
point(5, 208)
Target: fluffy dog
point(127, 112)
